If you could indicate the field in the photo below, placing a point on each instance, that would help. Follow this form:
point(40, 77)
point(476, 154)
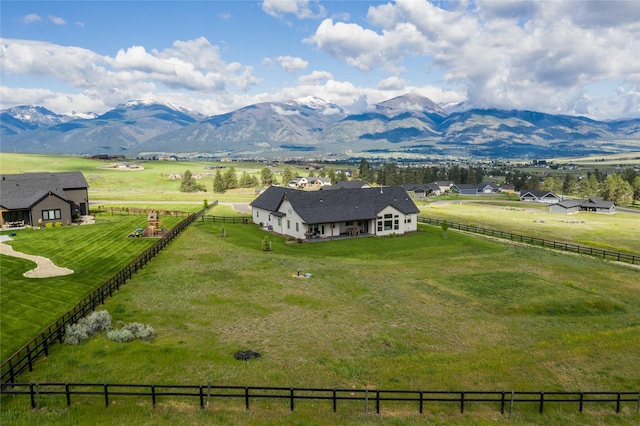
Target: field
point(412, 312)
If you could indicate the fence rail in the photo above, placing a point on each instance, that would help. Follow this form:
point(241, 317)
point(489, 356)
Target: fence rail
point(25, 357)
point(370, 397)
point(226, 219)
point(574, 248)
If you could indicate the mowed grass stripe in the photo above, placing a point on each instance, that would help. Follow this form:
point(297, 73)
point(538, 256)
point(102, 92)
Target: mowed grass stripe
point(93, 252)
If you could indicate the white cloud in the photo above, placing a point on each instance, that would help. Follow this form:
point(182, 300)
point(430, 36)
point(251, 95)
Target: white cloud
point(193, 66)
point(516, 54)
point(315, 78)
point(301, 9)
point(391, 83)
point(291, 64)
point(57, 20)
point(31, 18)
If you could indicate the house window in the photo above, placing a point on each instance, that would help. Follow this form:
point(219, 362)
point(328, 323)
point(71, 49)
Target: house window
point(388, 216)
point(379, 226)
point(52, 214)
point(279, 221)
point(288, 224)
point(387, 225)
point(396, 224)
point(297, 227)
point(257, 213)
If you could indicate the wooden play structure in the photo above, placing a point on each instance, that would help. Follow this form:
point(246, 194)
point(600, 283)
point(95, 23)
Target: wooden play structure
point(154, 229)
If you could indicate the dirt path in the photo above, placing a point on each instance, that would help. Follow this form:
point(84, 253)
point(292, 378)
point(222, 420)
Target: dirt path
point(45, 267)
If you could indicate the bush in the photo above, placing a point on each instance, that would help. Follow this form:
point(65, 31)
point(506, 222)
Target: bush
point(121, 335)
point(75, 333)
point(99, 321)
point(141, 331)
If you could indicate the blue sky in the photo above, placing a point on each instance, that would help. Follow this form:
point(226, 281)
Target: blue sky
point(564, 57)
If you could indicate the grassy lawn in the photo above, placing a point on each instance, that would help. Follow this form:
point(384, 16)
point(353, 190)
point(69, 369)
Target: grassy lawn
point(413, 312)
point(93, 252)
point(618, 232)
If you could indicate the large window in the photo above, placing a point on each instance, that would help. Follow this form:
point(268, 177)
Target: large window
point(52, 214)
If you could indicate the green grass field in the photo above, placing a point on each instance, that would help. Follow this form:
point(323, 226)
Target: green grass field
point(94, 252)
point(413, 312)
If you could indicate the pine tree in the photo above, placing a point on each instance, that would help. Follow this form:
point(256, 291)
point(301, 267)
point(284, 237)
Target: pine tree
point(218, 182)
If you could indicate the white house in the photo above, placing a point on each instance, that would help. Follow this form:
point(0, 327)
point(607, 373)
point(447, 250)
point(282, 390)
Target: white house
point(329, 214)
point(547, 197)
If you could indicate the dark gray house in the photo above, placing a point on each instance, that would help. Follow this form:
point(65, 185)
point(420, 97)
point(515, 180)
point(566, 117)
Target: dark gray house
point(32, 199)
point(593, 204)
point(342, 212)
point(531, 195)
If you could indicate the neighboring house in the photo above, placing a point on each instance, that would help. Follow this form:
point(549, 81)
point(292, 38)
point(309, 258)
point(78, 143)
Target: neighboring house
point(476, 188)
point(347, 184)
point(593, 204)
point(319, 181)
point(329, 214)
point(422, 190)
point(509, 188)
point(538, 196)
point(298, 182)
point(30, 199)
point(445, 186)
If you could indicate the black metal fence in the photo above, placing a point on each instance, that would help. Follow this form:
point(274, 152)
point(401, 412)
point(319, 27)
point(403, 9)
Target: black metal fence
point(372, 399)
point(227, 219)
point(24, 358)
point(574, 248)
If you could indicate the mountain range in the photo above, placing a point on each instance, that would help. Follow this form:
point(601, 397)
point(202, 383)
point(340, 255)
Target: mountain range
point(408, 126)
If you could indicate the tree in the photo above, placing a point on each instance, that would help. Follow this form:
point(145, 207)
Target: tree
point(331, 174)
point(287, 176)
point(247, 180)
point(570, 184)
point(190, 184)
point(230, 178)
point(589, 185)
point(444, 226)
point(552, 184)
point(266, 176)
point(218, 182)
point(364, 171)
point(636, 188)
point(618, 190)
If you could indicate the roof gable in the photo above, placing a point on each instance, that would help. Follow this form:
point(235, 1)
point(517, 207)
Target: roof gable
point(337, 206)
point(19, 191)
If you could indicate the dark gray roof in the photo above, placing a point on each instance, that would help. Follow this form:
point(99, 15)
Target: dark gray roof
point(537, 194)
point(21, 191)
point(337, 206)
point(591, 202)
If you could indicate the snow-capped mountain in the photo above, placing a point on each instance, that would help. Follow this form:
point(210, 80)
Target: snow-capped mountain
point(311, 127)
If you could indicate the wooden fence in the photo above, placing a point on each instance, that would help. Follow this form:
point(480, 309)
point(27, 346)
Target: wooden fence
point(574, 248)
point(24, 358)
point(138, 211)
point(372, 399)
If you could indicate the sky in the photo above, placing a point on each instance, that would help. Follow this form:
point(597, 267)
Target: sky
point(556, 56)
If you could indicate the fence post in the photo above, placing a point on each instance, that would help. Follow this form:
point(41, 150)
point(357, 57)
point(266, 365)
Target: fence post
point(201, 398)
point(31, 394)
point(246, 398)
point(421, 402)
point(106, 395)
point(618, 403)
point(541, 402)
point(461, 402)
point(291, 399)
point(502, 404)
point(153, 396)
point(335, 402)
point(68, 394)
point(378, 401)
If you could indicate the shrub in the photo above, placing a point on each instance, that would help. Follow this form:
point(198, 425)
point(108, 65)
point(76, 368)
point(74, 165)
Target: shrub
point(141, 331)
point(266, 244)
point(75, 333)
point(58, 224)
point(48, 225)
point(121, 335)
point(99, 321)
